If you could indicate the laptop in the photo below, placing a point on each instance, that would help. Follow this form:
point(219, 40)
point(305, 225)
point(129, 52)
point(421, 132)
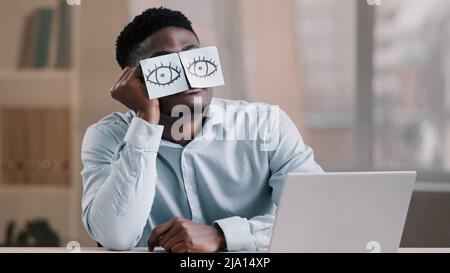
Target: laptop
point(342, 212)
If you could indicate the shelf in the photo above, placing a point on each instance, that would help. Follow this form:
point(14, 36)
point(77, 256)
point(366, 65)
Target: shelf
point(30, 188)
point(36, 74)
point(24, 204)
point(44, 88)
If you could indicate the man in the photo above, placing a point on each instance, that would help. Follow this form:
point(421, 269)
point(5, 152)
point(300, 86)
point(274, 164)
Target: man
point(144, 186)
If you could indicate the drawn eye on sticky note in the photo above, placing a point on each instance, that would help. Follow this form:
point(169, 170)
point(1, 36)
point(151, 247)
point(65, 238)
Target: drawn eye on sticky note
point(174, 73)
point(202, 67)
point(163, 75)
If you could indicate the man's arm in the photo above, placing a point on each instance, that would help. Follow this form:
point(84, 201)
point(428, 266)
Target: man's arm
point(119, 183)
point(290, 155)
point(119, 176)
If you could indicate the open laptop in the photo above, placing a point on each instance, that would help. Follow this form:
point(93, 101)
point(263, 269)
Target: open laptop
point(342, 212)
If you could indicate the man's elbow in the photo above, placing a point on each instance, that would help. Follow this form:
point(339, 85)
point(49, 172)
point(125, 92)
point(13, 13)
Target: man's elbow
point(117, 243)
point(114, 237)
point(116, 240)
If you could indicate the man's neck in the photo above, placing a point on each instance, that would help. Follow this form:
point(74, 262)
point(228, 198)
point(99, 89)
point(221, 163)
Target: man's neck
point(188, 130)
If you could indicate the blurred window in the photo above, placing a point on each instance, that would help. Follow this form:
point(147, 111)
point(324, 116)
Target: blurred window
point(326, 43)
point(411, 85)
point(410, 90)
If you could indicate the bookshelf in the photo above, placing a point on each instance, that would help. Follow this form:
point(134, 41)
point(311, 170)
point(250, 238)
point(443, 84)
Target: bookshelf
point(82, 89)
point(38, 114)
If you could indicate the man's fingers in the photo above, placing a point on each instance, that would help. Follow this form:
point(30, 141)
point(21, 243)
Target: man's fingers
point(179, 248)
point(123, 77)
point(169, 234)
point(172, 240)
point(136, 73)
point(124, 73)
point(176, 229)
point(127, 75)
point(158, 231)
point(130, 75)
point(152, 243)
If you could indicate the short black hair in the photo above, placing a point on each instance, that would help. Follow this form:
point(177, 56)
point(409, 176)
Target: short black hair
point(144, 25)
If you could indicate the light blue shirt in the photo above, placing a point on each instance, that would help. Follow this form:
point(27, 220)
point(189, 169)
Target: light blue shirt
point(134, 180)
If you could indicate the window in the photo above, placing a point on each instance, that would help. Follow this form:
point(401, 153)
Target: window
point(411, 85)
point(408, 92)
point(326, 48)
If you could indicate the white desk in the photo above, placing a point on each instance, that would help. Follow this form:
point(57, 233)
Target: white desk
point(144, 250)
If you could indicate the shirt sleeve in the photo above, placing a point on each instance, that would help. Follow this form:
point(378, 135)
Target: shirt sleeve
point(289, 154)
point(119, 181)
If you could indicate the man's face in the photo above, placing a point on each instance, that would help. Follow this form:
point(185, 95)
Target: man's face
point(172, 40)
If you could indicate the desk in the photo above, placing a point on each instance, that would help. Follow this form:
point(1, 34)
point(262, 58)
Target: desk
point(144, 250)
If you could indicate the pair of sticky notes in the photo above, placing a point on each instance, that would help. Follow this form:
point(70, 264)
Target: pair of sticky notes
point(177, 72)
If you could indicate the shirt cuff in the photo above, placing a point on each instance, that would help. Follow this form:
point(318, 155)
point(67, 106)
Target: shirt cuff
point(143, 135)
point(237, 233)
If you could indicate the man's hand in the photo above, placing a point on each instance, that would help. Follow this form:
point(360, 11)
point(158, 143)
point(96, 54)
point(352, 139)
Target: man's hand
point(180, 236)
point(130, 91)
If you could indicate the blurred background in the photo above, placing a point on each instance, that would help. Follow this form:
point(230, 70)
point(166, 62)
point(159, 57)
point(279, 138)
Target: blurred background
point(367, 85)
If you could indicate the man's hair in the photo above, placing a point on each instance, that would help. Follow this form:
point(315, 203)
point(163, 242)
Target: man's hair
point(144, 25)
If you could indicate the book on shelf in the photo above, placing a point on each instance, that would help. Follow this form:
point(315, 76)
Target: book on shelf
point(43, 35)
point(28, 41)
point(63, 56)
point(46, 38)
